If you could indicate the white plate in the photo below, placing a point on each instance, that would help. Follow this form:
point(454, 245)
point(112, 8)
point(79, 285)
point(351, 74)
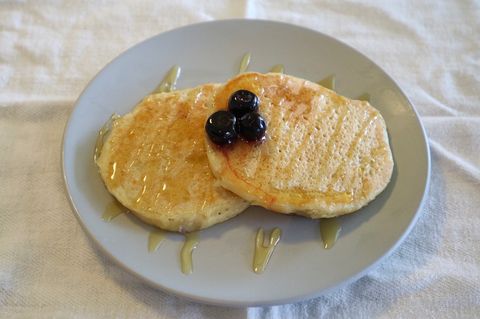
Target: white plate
point(300, 268)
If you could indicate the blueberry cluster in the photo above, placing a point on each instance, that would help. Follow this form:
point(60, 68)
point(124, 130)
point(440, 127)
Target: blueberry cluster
point(241, 119)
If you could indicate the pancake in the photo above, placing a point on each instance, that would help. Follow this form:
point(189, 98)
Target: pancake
point(324, 155)
point(154, 163)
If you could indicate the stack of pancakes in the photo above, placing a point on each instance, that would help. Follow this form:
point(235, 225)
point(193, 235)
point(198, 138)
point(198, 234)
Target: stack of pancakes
point(324, 155)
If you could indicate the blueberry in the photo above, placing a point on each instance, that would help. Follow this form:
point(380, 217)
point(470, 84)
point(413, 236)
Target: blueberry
point(242, 102)
point(220, 127)
point(252, 127)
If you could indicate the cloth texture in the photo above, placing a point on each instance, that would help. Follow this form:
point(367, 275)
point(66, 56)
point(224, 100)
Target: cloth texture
point(50, 49)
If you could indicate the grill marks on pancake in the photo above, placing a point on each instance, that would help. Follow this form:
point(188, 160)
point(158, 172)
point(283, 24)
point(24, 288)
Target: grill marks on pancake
point(297, 105)
point(276, 115)
point(333, 140)
point(266, 197)
point(315, 162)
point(368, 162)
point(361, 133)
point(278, 106)
point(301, 148)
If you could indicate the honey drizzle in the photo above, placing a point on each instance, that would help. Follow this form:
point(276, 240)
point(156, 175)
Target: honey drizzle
point(364, 97)
point(191, 242)
point(144, 188)
point(114, 170)
point(159, 187)
point(244, 63)
point(329, 231)
point(101, 136)
point(328, 82)
point(169, 82)
point(112, 210)
point(155, 238)
point(279, 68)
point(264, 252)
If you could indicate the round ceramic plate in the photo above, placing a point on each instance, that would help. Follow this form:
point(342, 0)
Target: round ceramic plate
point(300, 267)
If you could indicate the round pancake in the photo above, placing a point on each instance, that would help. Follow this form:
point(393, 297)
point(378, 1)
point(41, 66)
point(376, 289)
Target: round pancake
point(155, 163)
point(324, 155)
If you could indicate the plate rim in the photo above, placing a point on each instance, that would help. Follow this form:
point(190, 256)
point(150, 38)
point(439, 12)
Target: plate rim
point(226, 302)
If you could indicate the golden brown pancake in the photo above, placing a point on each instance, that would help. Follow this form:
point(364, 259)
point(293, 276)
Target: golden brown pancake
point(155, 163)
point(324, 155)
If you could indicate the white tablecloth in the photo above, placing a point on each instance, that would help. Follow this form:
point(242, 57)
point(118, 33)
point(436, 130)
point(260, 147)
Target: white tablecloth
point(49, 50)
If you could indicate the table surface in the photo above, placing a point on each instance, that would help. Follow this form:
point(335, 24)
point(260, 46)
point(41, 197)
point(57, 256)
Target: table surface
point(49, 50)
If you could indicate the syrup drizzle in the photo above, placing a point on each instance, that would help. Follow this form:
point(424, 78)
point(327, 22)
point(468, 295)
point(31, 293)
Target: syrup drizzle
point(264, 252)
point(329, 231)
point(328, 82)
point(364, 97)
point(244, 63)
point(169, 82)
point(189, 245)
point(279, 68)
point(155, 238)
point(102, 134)
point(112, 210)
